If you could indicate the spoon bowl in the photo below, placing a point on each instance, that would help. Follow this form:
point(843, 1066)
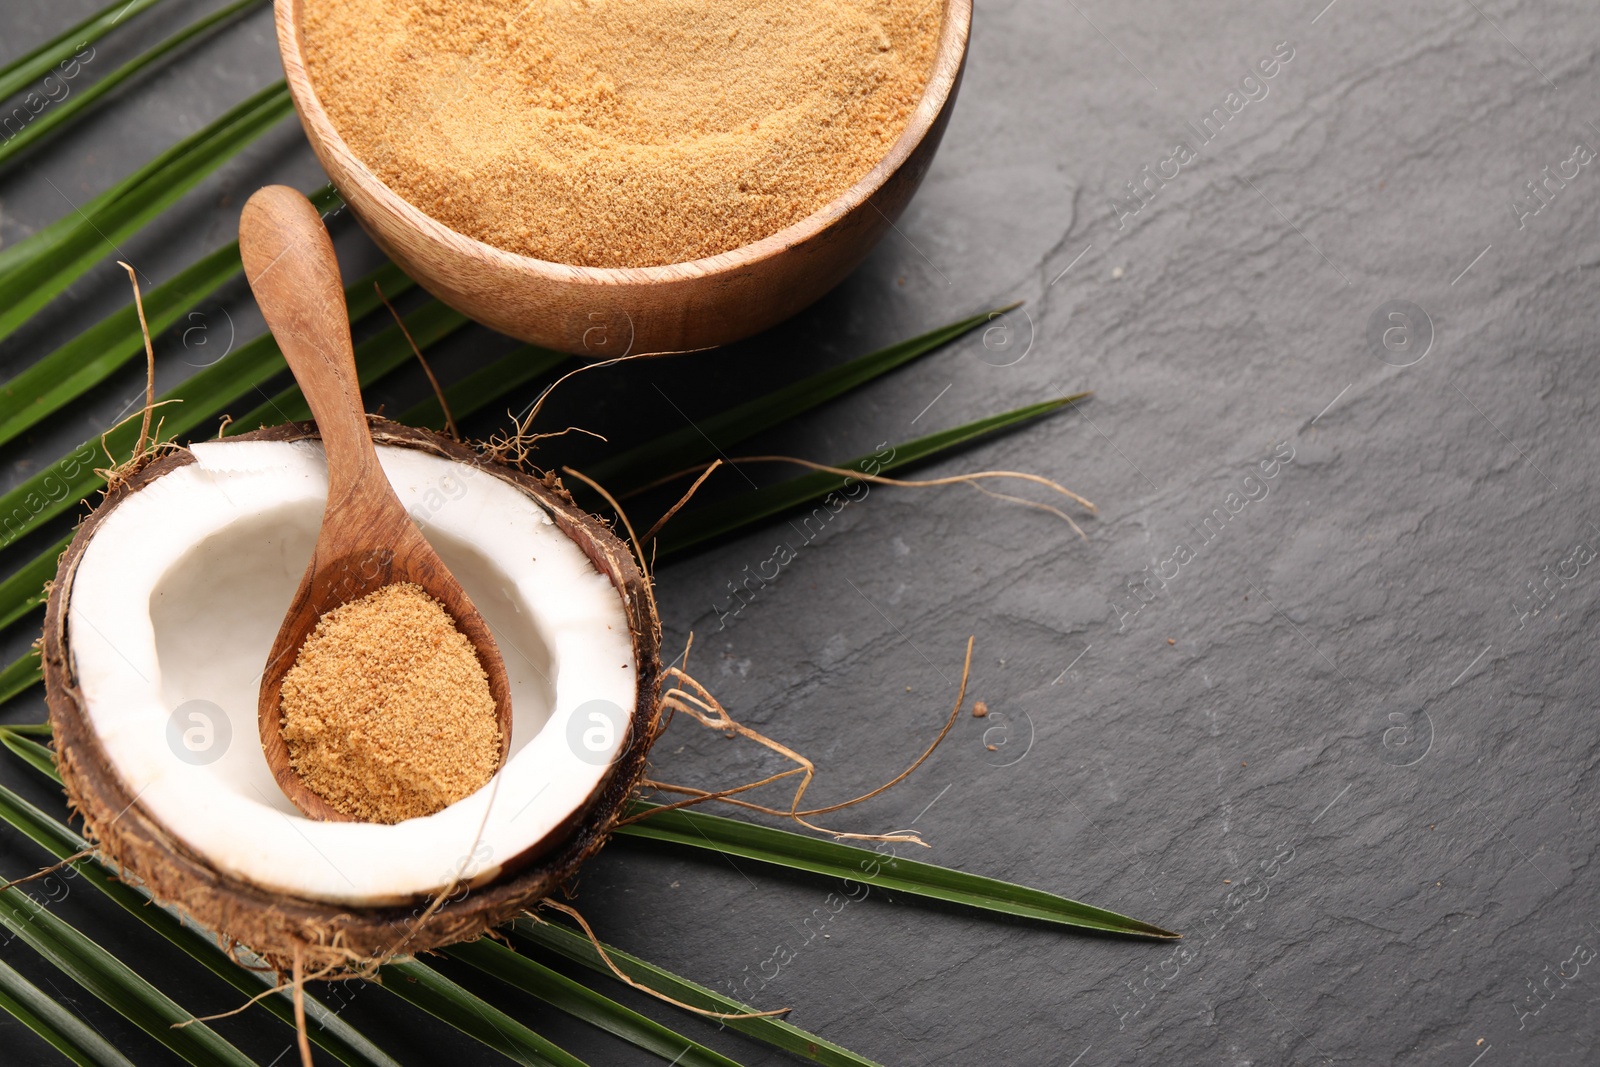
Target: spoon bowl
point(367, 541)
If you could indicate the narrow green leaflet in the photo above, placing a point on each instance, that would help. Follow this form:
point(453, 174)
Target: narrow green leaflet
point(70, 1035)
point(435, 994)
point(481, 388)
point(111, 980)
point(325, 1028)
point(705, 439)
point(35, 270)
point(75, 104)
point(60, 486)
point(30, 751)
point(729, 515)
point(21, 676)
point(377, 356)
point(24, 590)
point(88, 359)
point(578, 948)
point(94, 355)
point(412, 981)
point(583, 1003)
point(734, 837)
point(39, 247)
point(25, 70)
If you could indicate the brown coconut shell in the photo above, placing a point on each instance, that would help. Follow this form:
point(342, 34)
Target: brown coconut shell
point(341, 939)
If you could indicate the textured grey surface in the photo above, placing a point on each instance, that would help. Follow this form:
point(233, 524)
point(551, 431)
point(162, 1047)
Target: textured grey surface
point(1338, 747)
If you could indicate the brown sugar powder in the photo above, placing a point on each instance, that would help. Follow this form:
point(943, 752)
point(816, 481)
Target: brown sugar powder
point(605, 133)
point(387, 713)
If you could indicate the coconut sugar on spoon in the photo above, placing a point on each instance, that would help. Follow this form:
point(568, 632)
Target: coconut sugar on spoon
point(387, 712)
point(610, 134)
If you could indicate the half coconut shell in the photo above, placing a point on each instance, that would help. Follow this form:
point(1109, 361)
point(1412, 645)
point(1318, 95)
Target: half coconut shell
point(331, 938)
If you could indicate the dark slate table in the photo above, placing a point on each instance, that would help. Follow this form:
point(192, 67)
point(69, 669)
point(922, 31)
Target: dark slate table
point(1318, 687)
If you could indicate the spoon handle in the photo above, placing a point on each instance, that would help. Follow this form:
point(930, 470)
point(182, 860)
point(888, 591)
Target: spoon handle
point(289, 261)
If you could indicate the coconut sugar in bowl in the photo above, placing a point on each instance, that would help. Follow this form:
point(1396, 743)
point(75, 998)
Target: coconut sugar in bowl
point(513, 146)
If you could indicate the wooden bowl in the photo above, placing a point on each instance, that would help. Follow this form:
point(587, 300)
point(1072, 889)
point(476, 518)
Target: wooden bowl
point(605, 312)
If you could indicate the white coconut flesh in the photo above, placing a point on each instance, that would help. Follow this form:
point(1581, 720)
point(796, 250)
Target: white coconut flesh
point(181, 591)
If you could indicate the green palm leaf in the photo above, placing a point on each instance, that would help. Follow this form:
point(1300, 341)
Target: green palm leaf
point(88, 359)
point(94, 355)
point(328, 1030)
point(21, 676)
point(581, 1002)
point(24, 591)
point(443, 999)
point(41, 246)
point(70, 1036)
point(115, 983)
point(31, 752)
point(60, 116)
point(784, 848)
point(733, 837)
point(27, 69)
point(481, 388)
point(375, 357)
point(578, 948)
point(202, 396)
point(709, 437)
point(727, 516)
point(36, 269)
point(407, 979)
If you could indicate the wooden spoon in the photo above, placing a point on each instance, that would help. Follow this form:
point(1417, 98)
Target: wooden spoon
point(367, 540)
